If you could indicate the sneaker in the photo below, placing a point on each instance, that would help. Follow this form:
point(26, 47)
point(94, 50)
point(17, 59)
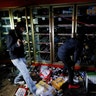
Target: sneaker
point(76, 80)
point(39, 91)
point(73, 86)
point(19, 83)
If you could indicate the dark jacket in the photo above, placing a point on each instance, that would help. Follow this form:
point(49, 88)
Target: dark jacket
point(15, 51)
point(71, 47)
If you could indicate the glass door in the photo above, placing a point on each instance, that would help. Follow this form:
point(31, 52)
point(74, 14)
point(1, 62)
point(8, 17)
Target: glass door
point(4, 29)
point(86, 24)
point(63, 27)
point(41, 31)
point(23, 14)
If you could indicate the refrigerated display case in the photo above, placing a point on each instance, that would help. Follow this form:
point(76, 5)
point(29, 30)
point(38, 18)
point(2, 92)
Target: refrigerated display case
point(47, 27)
point(8, 19)
point(23, 14)
point(86, 24)
point(42, 34)
point(5, 26)
point(63, 27)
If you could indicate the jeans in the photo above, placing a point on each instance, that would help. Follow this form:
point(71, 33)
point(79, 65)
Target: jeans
point(18, 78)
point(20, 63)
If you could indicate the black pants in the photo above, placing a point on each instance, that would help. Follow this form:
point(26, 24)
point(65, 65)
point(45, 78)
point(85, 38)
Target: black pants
point(69, 65)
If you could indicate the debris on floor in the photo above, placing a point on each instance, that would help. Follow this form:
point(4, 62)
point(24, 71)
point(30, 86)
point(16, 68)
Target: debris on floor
point(48, 89)
point(21, 91)
point(50, 78)
point(53, 82)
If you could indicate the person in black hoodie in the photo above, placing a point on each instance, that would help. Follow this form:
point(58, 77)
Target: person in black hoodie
point(15, 45)
point(71, 48)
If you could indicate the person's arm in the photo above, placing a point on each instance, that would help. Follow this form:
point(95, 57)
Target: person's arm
point(76, 55)
point(78, 52)
point(10, 44)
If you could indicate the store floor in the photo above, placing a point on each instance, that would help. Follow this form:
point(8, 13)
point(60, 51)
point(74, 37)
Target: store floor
point(7, 88)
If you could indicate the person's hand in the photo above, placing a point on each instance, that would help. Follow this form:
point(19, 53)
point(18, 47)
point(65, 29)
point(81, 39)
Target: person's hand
point(24, 42)
point(19, 42)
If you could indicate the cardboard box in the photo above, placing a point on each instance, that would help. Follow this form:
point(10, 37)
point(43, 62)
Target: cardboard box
point(48, 90)
point(57, 83)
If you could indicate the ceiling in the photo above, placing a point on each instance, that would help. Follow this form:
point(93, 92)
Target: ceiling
point(14, 3)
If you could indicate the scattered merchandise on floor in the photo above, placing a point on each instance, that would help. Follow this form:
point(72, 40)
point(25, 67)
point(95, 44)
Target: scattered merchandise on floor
point(51, 81)
point(22, 91)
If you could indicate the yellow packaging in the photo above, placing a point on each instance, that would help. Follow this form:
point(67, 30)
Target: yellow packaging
point(57, 83)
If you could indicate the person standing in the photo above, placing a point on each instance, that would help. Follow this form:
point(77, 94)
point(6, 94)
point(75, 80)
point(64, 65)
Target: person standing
point(15, 45)
point(71, 48)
